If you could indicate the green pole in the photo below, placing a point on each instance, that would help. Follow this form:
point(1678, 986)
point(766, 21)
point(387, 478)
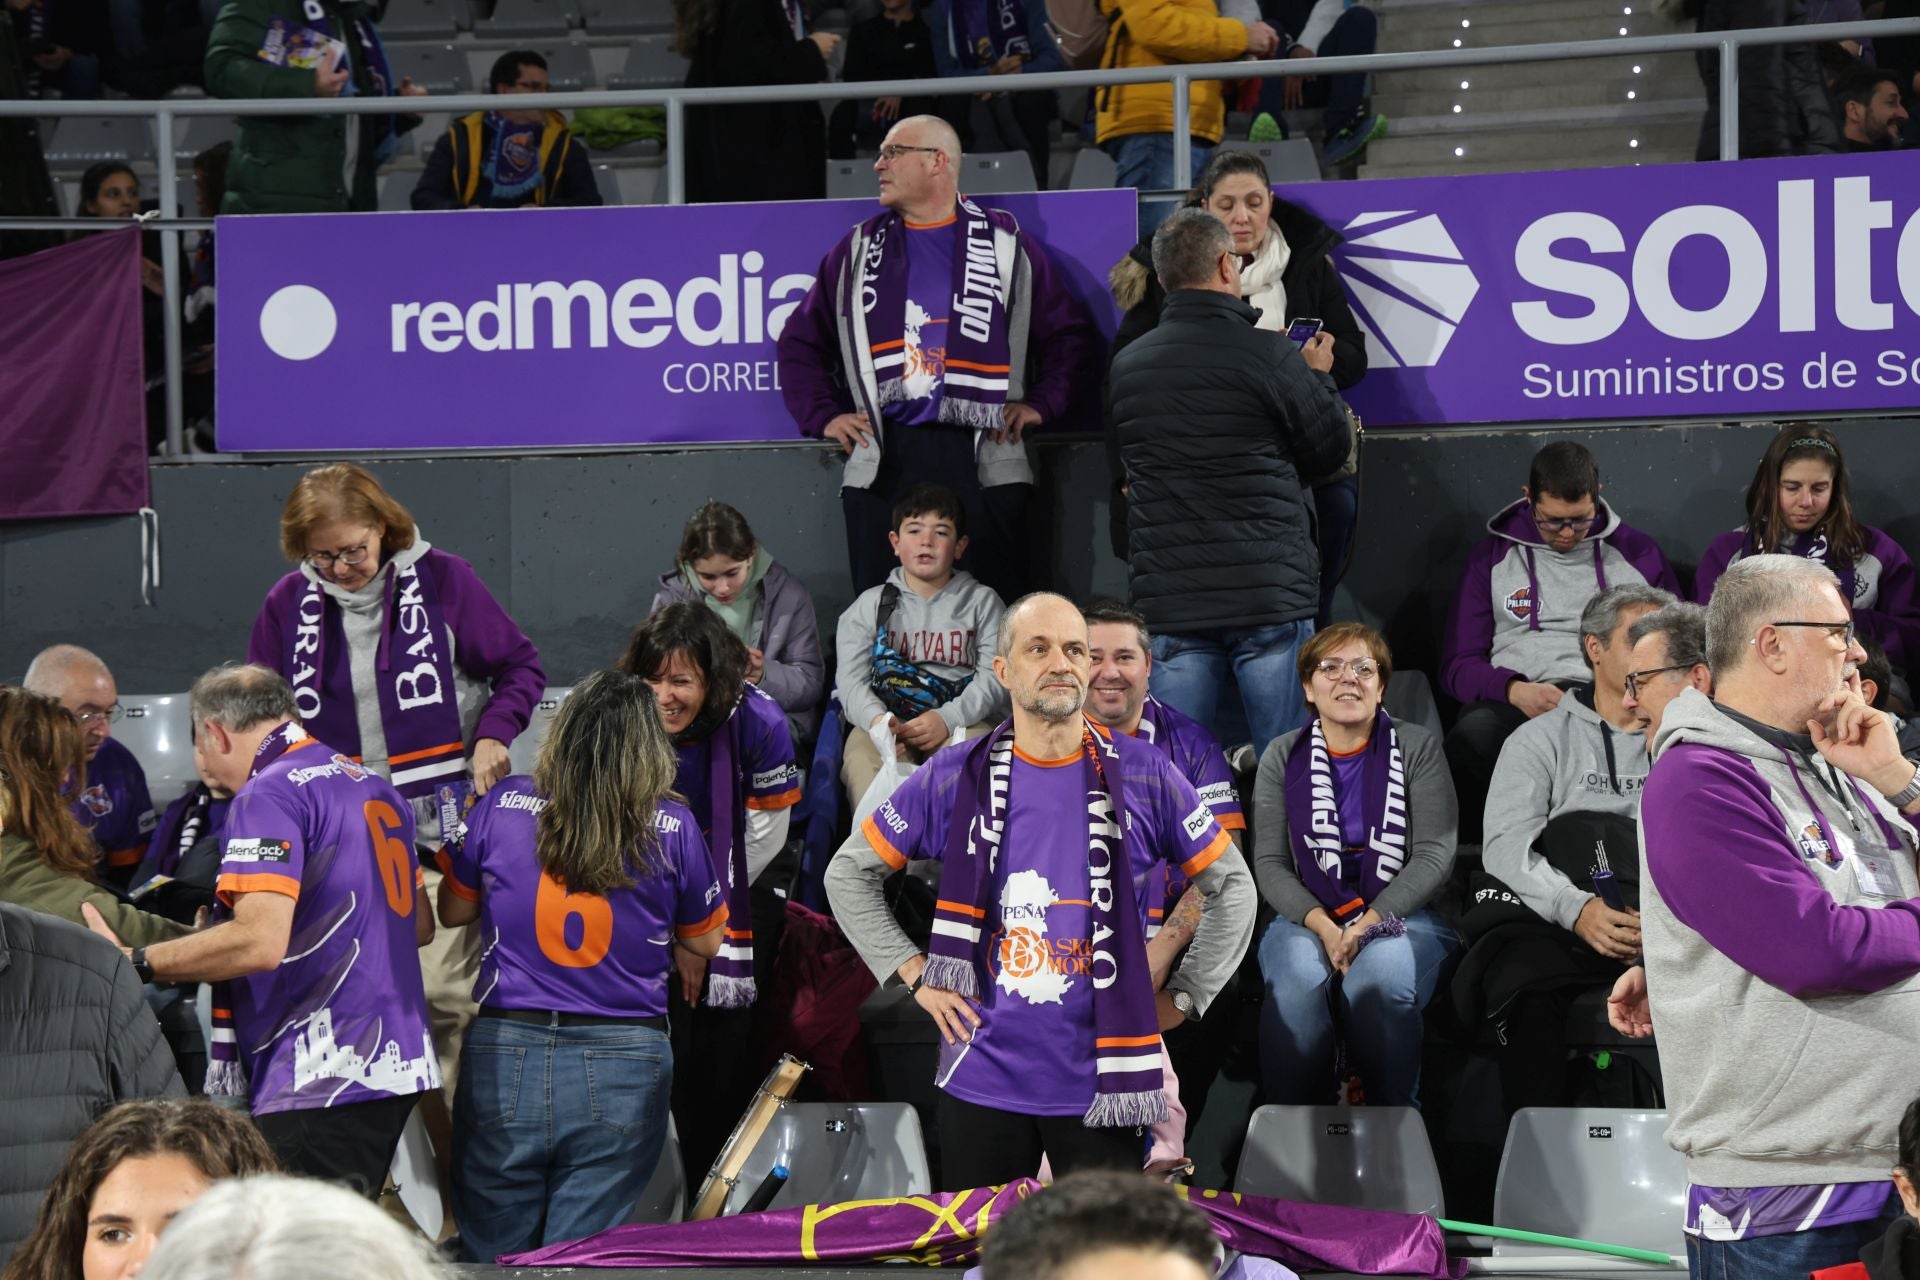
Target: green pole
point(1560, 1242)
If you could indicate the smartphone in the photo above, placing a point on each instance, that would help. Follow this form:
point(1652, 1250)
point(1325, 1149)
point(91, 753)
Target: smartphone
point(1301, 330)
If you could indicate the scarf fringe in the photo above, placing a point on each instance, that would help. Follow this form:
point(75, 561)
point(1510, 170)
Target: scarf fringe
point(979, 415)
point(949, 973)
point(1126, 1110)
point(725, 992)
point(225, 1079)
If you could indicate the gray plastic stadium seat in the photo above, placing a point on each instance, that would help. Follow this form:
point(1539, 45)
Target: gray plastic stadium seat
point(991, 172)
point(1357, 1157)
point(437, 68)
point(158, 729)
point(1410, 700)
point(396, 191)
point(837, 1151)
point(195, 134)
point(526, 748)
point(84, 140)
point(1093, 170)
point(631, 184)
point(626, 17)
point(569, 66)
point(651, 64)
point(529, 18)
point(424, 19)
point(1288, 160)
point(1593, 1173)
point(853, 180)
point(665, 1196)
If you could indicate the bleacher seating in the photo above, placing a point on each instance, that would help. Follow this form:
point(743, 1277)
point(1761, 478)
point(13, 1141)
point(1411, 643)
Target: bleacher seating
point(850, 180)
point(665, 1196)
point(1594, 1174)
point(525, 749)
point(651, 63)
point(837, 1151)
point(79, 141)
point(1093, 170)
point(626, 17)
point(195, 134)
point(523, 18)
point(1360, 1157)
point(997, 172)
point(1288, 160)
point(424, 19)
point(569, 65)
point(439, 69)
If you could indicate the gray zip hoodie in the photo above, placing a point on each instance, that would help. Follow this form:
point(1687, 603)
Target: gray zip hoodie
point(1782, 936)
point(953, 634)
point(1568, 760)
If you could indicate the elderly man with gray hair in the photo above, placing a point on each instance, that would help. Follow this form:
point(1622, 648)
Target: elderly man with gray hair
point(1782, 931)
point(1548, 929)
point(1214, 426)
point(1666, 656)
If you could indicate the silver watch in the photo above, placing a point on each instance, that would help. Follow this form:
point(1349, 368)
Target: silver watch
point(1183, 1004)
point(1907, 794)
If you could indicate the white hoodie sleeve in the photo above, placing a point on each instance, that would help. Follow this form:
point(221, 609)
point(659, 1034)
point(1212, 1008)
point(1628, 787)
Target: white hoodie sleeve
point(1320, 22)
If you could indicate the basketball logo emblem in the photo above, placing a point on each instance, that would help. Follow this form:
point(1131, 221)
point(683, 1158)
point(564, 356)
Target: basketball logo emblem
point(1519, 603)
point(1023, 953)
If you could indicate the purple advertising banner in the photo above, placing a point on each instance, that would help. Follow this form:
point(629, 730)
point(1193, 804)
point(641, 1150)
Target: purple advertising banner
point(1760, 288)
point(555, 327)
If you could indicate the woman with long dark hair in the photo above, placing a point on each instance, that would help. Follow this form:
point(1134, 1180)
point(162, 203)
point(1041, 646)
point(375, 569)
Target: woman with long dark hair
point(1801, 503)
point(583, 877)
point(753, 151)
point(125, 1178)
point(736, 769)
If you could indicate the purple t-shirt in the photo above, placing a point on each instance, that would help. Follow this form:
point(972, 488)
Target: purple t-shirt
point(117, 811)
point(343, 1018)
point(921, 361)
point(1350, 794)
point(543, 948)
point(1033, 1051)
point(1746, 1213)
point(766, 761)
point(1198, 756)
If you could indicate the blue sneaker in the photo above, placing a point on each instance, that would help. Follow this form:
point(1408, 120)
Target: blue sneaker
point(1345, 146)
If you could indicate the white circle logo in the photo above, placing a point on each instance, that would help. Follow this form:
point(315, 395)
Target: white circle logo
point(298, 322)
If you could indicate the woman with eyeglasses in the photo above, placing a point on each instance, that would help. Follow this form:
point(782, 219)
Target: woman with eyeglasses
point(1801, 503)
point(1354, 820)
point(400, 657)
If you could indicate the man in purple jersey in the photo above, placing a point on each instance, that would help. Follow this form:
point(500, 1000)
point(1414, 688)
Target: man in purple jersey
point(320, 1018)
point(1780, 914)
point(114, 806)
point(1037, 974)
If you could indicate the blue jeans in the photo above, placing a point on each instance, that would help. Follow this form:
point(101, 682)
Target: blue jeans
point(1376, 1006)
point(1144, 161)
point(1189, 671)
point(1794, 1254)
point(555, 1131)
point(1336, 510)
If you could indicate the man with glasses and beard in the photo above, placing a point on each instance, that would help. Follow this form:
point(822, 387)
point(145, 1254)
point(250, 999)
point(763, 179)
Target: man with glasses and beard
point(1513, 644)
point(114, 806)
point(1781, 922)
point(1050, 835)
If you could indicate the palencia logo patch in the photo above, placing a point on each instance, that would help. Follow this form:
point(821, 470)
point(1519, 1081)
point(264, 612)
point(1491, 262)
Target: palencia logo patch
point(1197, 822)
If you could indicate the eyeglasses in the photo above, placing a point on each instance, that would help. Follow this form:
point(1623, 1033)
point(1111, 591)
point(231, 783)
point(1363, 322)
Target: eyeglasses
point(1637, 679)
point(111, 716)
point(1564, 524)
point(1843, 631)
point(349, 557)
point(1363, 669)
point(894, 150)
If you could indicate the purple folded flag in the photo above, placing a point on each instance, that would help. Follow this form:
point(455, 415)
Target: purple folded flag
point(946, 1228)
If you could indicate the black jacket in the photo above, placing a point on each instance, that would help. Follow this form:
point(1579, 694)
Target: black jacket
point(76, 1036)
point(1784, 109)
point(458, 161)
point(1312, 285)
point(757, 151)
point(1213, 422)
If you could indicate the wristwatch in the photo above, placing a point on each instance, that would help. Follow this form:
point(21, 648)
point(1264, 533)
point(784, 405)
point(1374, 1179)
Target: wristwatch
point(141, 968)
point(1183, 1005)
point(1907, 794)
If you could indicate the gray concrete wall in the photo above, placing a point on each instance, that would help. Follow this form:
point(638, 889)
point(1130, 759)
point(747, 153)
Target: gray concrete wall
point(572, 545)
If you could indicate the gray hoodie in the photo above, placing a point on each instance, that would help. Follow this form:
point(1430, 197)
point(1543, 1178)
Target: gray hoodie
point(1568, 760)
point(1782, 942)
point(953, 635)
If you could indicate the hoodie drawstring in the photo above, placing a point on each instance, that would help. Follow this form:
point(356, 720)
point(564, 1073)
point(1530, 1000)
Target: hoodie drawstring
point(1533, 592)
point(1613, 769)
point(1599, 566)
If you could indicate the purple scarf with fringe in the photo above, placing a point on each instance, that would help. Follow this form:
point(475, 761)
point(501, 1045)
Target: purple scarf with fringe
point(1345, 880)
point(1813, 546)
point(413, 675)
point(730, 973)
point(973, 389)
point(1128, 1090)
point(981, 32)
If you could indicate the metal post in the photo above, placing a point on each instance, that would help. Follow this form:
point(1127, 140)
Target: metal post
point(676, 151)
point(170, 276)
point(1182, 135)
point(1729, 97)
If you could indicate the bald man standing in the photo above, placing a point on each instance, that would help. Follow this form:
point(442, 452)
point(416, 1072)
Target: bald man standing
point(115, 805)
point(912, 352)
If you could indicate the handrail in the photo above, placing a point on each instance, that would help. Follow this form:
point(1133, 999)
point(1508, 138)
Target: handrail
point(165, 111)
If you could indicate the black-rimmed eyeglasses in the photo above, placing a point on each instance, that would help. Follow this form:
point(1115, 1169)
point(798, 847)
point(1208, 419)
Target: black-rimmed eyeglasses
point(1638, 679)
point(1841, 630)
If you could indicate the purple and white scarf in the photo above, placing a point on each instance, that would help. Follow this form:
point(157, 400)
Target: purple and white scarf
point(982, 32)
point(1346, 880)
point(180, 829)
point(730, 982)
point(513, 161)
point(1129, 1088)
point(1814, 546)
point(973, 391)
point(413, 673)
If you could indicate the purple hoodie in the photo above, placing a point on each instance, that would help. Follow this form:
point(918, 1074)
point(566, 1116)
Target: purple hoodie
point(1886, 598)
point(1517, 613)
point(787, 632)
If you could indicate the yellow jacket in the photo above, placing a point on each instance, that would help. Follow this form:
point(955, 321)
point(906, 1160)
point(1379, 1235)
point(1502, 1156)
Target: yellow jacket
point(1163, 33)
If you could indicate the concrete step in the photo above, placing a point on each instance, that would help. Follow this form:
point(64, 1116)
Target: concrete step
point(1547, 120)
point(1604, 92)
point(1536, 148)
point(1461, 168)
point(1674, 71)
point(1437, 26)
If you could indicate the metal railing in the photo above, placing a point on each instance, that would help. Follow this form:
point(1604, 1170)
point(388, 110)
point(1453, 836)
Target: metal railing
point(676, 101)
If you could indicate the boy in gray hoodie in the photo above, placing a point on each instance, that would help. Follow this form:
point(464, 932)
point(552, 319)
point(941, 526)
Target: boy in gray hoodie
point(921, 675)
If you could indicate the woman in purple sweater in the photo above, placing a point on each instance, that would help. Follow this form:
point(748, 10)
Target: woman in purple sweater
point(1800, 503)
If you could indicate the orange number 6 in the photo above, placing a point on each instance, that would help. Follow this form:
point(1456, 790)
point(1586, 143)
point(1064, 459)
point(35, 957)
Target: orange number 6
point(393, 856)
point(553, 906)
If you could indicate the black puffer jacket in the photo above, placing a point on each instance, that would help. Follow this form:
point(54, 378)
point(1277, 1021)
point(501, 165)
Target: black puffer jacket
point(1784, 110)
point(76, 1036)
point(1214, 422)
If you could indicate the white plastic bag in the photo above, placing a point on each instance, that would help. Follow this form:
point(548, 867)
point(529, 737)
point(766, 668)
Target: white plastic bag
point(893, 772)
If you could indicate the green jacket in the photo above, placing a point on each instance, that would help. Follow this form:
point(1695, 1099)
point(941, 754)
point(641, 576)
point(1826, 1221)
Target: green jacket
point(27, 881)
point(290, 164)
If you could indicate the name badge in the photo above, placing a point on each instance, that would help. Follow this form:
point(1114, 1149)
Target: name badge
point(1875, 874)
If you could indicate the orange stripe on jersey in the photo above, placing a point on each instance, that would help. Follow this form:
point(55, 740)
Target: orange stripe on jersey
point(785, 800)
point(947, 221)
point(127, 857)
point(1124, 1042)
point(740, 934)
point(232, 884)
point(882, 847)
point(1232, 821)
point(961, 908)
point(1208, 856)
point(309, 742)
point(408, 757)
point(977, 368)
point(1156, 913)
point(1345, 907)
point(459, 890)
point(712, 922)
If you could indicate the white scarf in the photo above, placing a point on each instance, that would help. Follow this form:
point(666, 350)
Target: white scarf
point(1260, 284)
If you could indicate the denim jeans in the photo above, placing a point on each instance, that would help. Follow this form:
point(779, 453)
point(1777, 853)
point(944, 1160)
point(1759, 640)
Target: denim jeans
point(555, 1131)
point(1794, 1254)
point(1344, 96)
point(1189, 671)
point(1376, 1006)
point(1144, 161)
